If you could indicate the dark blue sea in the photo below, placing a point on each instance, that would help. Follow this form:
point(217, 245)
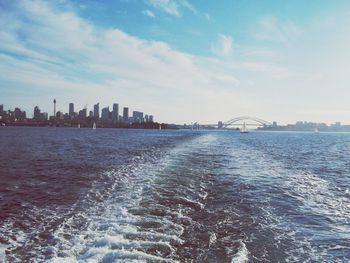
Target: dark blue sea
point(114, 195)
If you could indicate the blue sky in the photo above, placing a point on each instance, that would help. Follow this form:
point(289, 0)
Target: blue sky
point(180, 60)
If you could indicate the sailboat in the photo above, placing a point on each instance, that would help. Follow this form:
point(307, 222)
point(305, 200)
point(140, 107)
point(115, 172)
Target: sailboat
point(244, 128)
point(94, 126)
point(78, 125)
point(316, 130)
point(160, 126)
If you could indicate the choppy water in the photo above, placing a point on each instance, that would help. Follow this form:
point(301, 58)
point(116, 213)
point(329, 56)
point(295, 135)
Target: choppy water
point(109, 195)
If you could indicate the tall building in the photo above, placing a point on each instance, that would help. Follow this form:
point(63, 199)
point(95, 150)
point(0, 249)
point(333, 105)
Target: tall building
point(44, 116)
point(150, 118)
point(1, 109)
point(105, 113)
point(125, 114)
point(36, 113)
point(59, 115)
point(137, 116)
point(82, 114)
point(97, 111)
point(115, 112)
point(91, 114)
point(71, 109)
point(19, 115)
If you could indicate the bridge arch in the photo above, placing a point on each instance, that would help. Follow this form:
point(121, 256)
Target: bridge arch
point(250, 121)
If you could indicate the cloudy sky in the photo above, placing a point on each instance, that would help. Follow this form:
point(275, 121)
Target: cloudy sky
point(180, 60)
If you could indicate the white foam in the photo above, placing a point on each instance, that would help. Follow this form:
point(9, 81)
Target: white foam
point(212, 239)
point(114, 232)
point(2, 253)
point(242, 255)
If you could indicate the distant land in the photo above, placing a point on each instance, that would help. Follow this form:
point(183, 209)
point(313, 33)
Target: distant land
point(82, 119)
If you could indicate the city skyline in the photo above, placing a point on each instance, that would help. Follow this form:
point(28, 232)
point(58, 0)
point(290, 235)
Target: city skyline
point(103, 114)
point(183, 61)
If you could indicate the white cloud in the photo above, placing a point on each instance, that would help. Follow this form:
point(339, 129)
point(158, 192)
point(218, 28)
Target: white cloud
point(208, 17)
point(223, 46)
point(172, 7)
point(260, 53)
point(187, 5)
point(272, 29)
point(168, 6)
point(57, 53)
point(60, 54)
point(148, 13)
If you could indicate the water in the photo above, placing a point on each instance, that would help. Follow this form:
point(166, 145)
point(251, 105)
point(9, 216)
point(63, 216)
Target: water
point(112, 195)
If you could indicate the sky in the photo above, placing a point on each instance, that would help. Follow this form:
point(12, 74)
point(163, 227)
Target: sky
point(182, 61)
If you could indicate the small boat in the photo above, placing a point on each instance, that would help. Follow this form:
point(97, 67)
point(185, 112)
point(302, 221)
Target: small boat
point(244, 128)
point(78, 125)
point(94, 126)
point(160, 126)
point(316, 130)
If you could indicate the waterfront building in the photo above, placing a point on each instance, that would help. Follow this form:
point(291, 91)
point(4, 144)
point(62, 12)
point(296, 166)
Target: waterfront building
point(150, 118)
point(59, 115)
point(36, 113)
point(125, 114)
point(91, 114)
point(71, 109)
point(1, 109)
point(44, 116)
point(19, 115)
point(115, 112)
point(137, 116)
point(67, 118)
point(146, 118)
point(97, 111)
point(105, 114)
point(82, 114)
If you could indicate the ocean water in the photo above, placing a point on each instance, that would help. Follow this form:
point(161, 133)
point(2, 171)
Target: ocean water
point(114, 195)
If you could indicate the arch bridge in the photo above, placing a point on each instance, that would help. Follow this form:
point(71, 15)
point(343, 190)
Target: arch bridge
point(245, 120)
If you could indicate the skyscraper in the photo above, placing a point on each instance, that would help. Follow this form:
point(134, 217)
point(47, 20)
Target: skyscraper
point(18, 114)
point(36, 113)
point(82, 114)
point(115, 112)
point(71, 109)
point(59, 115)
point(125, 114)
point(1, 109)
point(105, 114)
point(137, 116)
point(97, 111)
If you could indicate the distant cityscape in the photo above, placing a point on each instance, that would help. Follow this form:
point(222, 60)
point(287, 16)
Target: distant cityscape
point(106, 118)
point(82, 118)
point(307, 126)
